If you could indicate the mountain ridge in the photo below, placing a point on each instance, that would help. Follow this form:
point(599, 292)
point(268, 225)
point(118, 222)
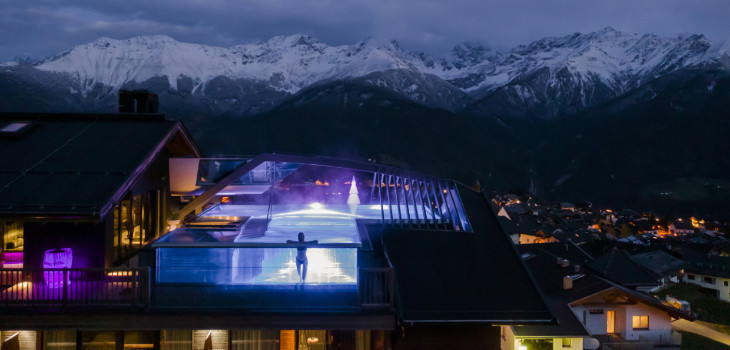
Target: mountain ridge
point(621, 135)
point(582, 69)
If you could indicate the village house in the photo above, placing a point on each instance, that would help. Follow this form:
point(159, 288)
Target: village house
point(592, 312)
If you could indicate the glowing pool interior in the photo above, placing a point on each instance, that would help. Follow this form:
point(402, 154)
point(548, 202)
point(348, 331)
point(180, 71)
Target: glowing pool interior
point(248, 234)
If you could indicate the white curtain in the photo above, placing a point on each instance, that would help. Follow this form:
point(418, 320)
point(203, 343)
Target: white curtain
point(176, 339)
point(254, 339)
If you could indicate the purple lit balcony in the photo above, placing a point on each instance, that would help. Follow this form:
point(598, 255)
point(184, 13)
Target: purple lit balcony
point(76, 288)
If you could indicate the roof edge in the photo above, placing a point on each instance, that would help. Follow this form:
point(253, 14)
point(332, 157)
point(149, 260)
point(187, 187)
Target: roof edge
point(119, 193)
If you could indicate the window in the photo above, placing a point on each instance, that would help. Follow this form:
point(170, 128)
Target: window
point(254, 339)
point(176, 339)
point(59, 340)
point(14, 127)
point(98, 340)
point(139, 340)
point(567, 343)
point(596, 312)
point(691, 277)
point(640, 322)
point(312, 339)
point(137, 220)
point(12, 236)
point(709, 280)
point(724, 283)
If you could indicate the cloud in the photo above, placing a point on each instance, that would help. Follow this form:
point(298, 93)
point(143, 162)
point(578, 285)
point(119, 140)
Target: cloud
point(43, 28)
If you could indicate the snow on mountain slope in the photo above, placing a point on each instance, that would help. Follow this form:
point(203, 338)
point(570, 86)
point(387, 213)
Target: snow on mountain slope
point(613, 57)
point(582, 69)
point(288, 63)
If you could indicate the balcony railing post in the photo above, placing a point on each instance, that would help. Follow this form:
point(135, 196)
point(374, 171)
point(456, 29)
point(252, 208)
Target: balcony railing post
point(65, 285)
point(148, 287)
point(135, 285)
point(391, 283)
point(359, 287)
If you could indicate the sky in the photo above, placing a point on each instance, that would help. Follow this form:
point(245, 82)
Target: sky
point(42, 28)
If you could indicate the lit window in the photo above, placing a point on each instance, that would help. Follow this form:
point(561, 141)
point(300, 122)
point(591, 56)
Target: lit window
point(566, 342)
point(14, 127)
point(640, 322)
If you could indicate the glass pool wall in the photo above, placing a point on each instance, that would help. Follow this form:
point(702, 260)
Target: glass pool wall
point(255, 266)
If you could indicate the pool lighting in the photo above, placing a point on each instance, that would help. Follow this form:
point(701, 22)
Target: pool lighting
point(316, 205)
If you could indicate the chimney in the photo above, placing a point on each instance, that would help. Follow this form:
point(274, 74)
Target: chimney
point(138, 101)
point(567, 282)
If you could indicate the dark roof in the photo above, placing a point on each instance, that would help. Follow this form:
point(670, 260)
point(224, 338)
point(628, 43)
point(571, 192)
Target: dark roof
point(682, 225)
point(616, 265)
point(463, 276)
point(516, 209)
point(549, 276)
point(75, 164)
point(660, 262)
point(701, 260)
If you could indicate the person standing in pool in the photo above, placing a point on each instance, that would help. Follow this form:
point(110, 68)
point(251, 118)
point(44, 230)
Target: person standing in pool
point(301, 259)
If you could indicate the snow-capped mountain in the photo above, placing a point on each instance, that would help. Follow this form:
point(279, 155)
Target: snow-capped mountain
point(615, 58)
point(562, 75)
point(545, 78)
point(287, 63)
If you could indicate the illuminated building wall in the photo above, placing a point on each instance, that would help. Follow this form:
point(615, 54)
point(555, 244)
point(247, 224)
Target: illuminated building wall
point(86, 240)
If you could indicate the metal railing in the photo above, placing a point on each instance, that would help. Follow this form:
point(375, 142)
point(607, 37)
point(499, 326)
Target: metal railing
point(628, 346)
point(269, 213)
point(375, 287)
point(66, 288)
point(673, 338)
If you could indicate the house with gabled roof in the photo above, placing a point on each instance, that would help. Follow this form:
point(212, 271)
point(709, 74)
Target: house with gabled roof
point(616, 265)
point(591, 311)
point(662, 263)
point(93, 183)
point(707, 268)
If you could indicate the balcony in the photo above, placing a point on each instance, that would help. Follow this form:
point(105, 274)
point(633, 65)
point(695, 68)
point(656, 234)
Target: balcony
point(75, 288)
point(65, 289)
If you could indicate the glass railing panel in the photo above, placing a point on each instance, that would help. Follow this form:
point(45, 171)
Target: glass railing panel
point(257, 266)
